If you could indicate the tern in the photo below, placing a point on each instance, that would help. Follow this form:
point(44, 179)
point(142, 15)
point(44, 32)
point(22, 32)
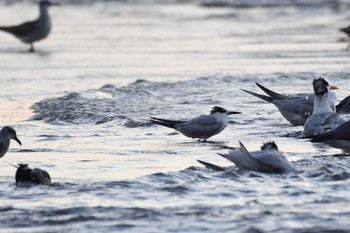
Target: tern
point(201, 127)
point(322, 118)
point(6, 134)
point(297, 108)
point(268, 160)
point(33, 31)
point(347, 32)
point(25, 176)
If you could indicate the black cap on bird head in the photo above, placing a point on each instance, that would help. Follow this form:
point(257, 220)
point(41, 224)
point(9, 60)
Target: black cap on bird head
point(320, 86)
point(269, 146)
point(222, 110)
point(218, 109)
point(48, 3)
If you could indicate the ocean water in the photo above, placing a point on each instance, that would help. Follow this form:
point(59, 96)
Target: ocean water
point(81, 107)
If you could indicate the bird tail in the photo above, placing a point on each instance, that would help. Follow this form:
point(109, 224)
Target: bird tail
point(6, 29)
point(211, 166)
point(263, 97)
point(167, 123)
point(272, 94)
point(226, 156)
point(342, 30)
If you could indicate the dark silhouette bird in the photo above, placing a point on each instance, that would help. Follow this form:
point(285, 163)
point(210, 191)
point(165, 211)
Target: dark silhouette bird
point(25, 176)
point(6, 134)
point(33, 31)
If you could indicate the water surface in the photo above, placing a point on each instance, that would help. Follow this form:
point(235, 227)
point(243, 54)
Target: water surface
point(81, 106)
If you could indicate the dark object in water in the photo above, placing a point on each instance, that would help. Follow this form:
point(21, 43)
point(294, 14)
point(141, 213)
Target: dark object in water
point(33, 31)
point(25, 176)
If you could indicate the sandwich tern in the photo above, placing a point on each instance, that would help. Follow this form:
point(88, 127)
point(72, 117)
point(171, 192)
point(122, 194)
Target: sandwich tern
point(268, 160)
point(201, 127)
point(296, 108)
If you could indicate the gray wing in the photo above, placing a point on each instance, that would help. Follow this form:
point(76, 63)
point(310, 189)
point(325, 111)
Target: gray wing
point(4, 146)
point(21, 30)
point(273, 159)
point(295, 110)
point(202, 127)
point(271, 93)
point(243, 159)
point(342, 132)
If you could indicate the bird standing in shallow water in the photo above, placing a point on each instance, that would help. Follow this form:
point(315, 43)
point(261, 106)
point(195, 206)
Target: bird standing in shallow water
point(6, 134)
point(25, 176)
point(202, 127)
point(30, 32)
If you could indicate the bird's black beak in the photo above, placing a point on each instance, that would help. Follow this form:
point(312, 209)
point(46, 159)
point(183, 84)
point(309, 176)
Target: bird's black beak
point(233, 112)
point(17, 140)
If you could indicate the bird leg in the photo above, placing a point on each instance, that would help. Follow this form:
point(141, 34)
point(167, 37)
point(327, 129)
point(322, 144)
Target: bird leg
point(31, 48)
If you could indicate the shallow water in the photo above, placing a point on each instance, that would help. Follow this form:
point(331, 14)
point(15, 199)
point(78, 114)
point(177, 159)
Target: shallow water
point(81, 107)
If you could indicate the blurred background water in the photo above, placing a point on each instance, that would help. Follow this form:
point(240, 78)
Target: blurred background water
point(81, 106)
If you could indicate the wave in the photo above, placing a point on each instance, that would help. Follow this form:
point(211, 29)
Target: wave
point(129, 106)
point(132, 105)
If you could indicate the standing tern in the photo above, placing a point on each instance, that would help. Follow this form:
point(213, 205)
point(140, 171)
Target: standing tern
point(25, 176)
point(6, 134)
point(322, 118)
point(269, 159)
point(295, 108)
point(30, 32)
point(201, 127)
point(347, 32)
